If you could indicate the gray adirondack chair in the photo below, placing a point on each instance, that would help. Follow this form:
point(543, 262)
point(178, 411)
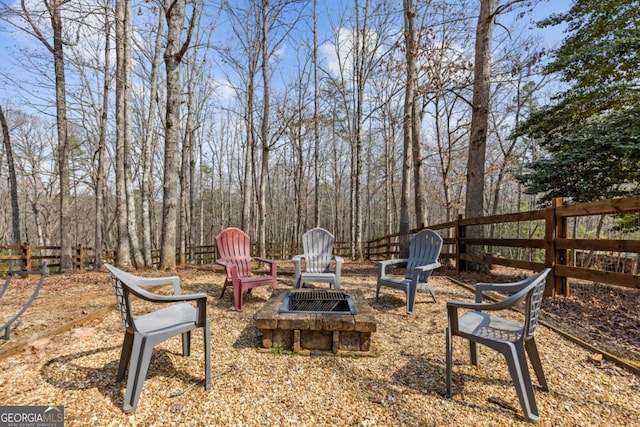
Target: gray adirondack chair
point(511, 338)
point(424, 250)
point(317, 244)
point(145, 331)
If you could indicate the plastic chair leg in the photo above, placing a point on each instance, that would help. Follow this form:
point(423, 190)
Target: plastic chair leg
point(140, 359)
point(411, 296)
point(517, 362)
point(207, 356)
point(534, 357)
point(237, 297)
point(473, 352)
point(449, 362)
point(125, 356)
point(186, 344)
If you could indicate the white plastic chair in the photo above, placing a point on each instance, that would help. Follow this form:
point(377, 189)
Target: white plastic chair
point(144, 332)
point(317, 244)
point(513, 339)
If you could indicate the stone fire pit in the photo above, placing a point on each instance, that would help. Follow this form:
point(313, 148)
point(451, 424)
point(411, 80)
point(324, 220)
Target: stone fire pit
point(317, 332)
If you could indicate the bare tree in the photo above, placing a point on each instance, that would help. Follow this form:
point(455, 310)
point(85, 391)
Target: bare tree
point(409, 127)
point(56, 48)
point(474, 200)
point(146, 192)
point(359, 51)
point(13, 181)
point(125, 206)
point(100, 177)
point(33, 144)
point(123, 251)
point(316, 120)
point(175, 12)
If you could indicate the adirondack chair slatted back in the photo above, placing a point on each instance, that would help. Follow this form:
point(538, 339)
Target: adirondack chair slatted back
point(318, 248)
point(233, 246)
point(424, 248)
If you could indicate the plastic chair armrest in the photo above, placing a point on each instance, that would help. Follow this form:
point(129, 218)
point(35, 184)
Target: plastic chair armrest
point(382, 265)
point(151, 297)
point(422, 268)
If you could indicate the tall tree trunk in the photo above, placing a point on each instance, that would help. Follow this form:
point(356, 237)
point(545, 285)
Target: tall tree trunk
point(264, 132)
point(420, 201)
point(100, 173)
point(407, 126)
point(132, 223)
point(66, 237)
point(316, 118)
point(13, 181)
point(184, 185)
point(248, 159)
point(411, 44)
point(361, 46)
point(123, 251)
point(174, 52)
point(147, 156)
point(479, 119)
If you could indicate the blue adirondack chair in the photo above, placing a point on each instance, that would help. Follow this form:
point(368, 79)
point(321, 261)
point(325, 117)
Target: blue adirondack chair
point(424, 250)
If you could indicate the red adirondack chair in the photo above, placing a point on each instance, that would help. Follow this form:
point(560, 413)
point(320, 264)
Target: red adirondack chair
point(235, 256)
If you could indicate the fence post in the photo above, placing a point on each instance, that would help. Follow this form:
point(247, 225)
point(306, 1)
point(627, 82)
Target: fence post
point(26, 250)
point(560, 282)
point(461, 265)
point(555, 228)
point(80, 257)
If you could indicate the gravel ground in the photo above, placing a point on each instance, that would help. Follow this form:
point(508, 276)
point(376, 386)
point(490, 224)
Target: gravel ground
point(402, 385)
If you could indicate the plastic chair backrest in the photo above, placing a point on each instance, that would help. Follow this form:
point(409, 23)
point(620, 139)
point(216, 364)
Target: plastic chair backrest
point(122, 297)
point(424, 249)
point(318, 249)
point(533, 303)
point(233, 246)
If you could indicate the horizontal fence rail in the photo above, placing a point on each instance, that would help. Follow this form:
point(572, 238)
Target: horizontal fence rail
point(585, 241)
point(563, 237)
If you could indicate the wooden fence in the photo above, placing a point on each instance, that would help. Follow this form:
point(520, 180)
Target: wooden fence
point(547, 242)
point(525, 240)
point(84, 257)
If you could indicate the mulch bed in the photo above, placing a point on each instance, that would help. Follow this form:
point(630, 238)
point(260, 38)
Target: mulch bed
point(402, 385)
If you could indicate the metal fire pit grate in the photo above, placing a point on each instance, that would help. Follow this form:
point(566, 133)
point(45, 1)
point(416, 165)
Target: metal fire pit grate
point(318, 301)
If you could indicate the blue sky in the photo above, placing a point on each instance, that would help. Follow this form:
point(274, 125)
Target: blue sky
point(12, 41)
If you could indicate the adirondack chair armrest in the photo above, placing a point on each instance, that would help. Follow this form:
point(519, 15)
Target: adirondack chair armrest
point(231, 270)
point(382, 265)
point(296, 264)
point(270, 262)
point(224, 263)
point(339, 262)
point(265, 260)
point(427, 267)
point(228, 265)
